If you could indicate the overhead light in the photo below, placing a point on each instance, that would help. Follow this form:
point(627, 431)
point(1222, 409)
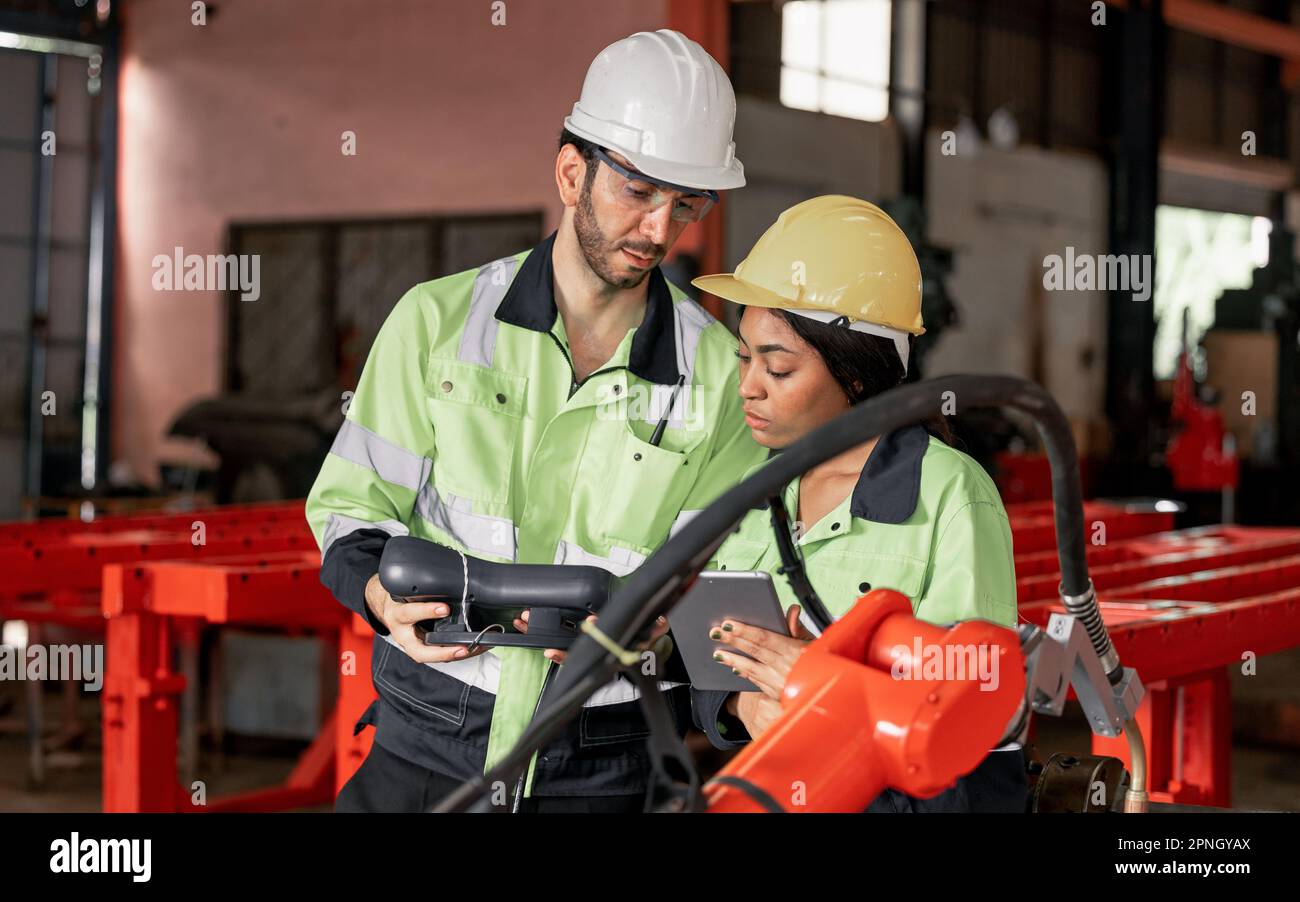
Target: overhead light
point(11, 40)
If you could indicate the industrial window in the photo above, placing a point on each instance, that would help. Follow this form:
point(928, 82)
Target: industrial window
point(835, 57)
point(328, 286)
point(1199, 253)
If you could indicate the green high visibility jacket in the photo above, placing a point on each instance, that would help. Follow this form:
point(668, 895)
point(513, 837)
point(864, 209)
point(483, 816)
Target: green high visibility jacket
point(469, 428)
point(924, 519)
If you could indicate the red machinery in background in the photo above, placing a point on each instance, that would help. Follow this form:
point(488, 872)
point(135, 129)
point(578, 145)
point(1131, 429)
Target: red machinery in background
point(150, 582)
point(1202, 454)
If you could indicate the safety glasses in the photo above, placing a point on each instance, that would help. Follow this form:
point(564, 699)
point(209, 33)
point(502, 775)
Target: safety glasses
point(641, 194)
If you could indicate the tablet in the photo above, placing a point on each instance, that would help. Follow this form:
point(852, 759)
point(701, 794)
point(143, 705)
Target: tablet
point(747, 596)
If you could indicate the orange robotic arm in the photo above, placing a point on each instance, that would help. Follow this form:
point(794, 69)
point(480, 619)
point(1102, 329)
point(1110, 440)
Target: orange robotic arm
point(880, 700)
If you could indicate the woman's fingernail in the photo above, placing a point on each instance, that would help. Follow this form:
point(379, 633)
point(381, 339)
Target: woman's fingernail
point(736, 671)
point(441, 611)
point(716, 634)
point(717, 657)
point(461, 652)
point(727, 627)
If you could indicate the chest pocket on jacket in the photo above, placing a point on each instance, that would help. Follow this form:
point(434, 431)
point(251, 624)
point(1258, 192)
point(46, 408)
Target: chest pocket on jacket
point(739, 553)
point(647, 484)
point(477, 414)
point(842, 577)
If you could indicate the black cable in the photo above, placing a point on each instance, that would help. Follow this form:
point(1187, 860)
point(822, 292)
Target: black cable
point(755, 792)
point(654, 588)
point(792, 566)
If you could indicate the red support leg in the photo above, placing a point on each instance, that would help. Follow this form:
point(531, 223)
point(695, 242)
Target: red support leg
point(356, 692)
point(1186, 723)
point(139, 712)
point(1203, 705)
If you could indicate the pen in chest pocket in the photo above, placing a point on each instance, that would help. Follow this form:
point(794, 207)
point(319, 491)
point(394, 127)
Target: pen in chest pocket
point(658, 435)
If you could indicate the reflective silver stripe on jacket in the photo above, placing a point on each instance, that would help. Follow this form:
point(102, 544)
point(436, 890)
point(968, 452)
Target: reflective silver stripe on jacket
point(481, 533)
point(481, 671)
point(339, 525)
point(390, 461)
point(690, 319)
point(621, 561)
point(619, 690)
point(478, 340)
point(484, 672)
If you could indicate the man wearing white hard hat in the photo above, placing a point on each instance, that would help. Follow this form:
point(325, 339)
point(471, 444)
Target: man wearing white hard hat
point(490, 418)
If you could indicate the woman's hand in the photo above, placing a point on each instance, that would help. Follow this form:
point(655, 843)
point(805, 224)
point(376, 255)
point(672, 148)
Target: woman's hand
point(771, 654)
point(755, 710)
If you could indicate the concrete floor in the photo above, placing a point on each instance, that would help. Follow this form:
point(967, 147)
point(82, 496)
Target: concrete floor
point(73, 778)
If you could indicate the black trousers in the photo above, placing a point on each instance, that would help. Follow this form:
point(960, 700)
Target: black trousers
point(389, 783)
point(998, 785)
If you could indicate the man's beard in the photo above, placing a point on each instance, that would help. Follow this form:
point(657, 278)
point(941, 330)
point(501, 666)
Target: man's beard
point(594, 246)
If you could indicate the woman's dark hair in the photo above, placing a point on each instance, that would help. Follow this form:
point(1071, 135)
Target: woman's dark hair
point(862, 365)
point(585, 148)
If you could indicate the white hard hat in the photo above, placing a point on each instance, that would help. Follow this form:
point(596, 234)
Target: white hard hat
point(660, 100)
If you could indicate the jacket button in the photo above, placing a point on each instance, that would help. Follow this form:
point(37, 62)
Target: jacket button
point(618, 389)
point(501, 399)
point(636, 456)
point(446, 386)
point(864, 588)
point(835, 526)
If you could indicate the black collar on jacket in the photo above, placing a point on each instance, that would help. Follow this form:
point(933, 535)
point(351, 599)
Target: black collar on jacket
point(530, 304)
point(889, 487)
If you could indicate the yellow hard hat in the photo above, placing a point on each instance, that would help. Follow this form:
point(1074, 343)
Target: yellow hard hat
point(835, 259)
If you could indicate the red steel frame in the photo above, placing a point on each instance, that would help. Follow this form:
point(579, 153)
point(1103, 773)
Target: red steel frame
point(148, 605)
point(1180, 606)
point(141, 578)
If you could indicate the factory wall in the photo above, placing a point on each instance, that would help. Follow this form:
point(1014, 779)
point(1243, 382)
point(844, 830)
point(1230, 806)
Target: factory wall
point(862, 159)
point(1002, 213)
point(242, 119)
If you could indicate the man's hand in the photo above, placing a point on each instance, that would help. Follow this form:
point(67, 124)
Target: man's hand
point(771, 654)
point(401, 618)
point(558, 655)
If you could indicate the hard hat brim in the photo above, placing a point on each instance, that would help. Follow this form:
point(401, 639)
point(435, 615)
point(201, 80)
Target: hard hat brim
point(729, 288)
point(712, 178)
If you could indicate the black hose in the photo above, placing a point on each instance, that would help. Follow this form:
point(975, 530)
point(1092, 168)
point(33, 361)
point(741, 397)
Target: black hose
point(653, 588)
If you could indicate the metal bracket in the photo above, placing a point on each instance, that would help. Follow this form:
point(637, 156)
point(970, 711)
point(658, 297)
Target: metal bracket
point(1062, 656)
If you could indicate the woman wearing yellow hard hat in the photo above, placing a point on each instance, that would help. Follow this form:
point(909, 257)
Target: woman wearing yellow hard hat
point(832, 298)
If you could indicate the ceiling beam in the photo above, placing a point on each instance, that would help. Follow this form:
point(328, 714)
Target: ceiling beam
point(1236, 27)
